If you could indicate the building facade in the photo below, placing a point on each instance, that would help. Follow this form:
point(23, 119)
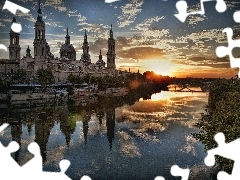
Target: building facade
point(61, 67)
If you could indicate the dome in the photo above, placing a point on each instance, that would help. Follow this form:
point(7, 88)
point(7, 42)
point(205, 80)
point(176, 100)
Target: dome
point(67, 51)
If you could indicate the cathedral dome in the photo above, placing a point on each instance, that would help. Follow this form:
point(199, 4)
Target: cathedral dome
point(67, 50)
point(100, 60)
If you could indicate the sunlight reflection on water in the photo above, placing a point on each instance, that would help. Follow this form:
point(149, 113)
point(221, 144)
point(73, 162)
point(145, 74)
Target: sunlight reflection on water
point(138, 141)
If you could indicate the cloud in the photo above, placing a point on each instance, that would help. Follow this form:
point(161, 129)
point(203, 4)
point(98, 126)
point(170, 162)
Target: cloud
point(232, 4)
point(194, 20)
point(28, 16)
point(54, 24)
point(203, 72)
point(80, 18)
point(146, 24)
point(151, 31)
point(1, 24)
point(209, 35)
point(96, 30)
point(100, 43)
point(141, 53)
point(204, 62)
point(129, 12)
point(56, 4)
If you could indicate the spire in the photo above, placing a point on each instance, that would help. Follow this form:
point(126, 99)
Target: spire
point(67, 41)
point(100, 55)
point(111, 32)
point(85, 37)
point(39, 8)
point(39, 18)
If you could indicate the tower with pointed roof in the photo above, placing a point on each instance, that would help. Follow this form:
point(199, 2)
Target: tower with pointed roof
point(111, 53)
point(100, 61)
point(14, 47)
point(85, 57)
point(41, 47)
point(67, 51)
point(28, 53)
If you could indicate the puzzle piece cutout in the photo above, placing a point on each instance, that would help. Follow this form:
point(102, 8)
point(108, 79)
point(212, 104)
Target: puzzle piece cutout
point(222, 51)
point(5, 154)
point(182, 9)
point(110, 1)
point(3, 126)
point(12, 7)
point(2, 46)
point(227, 150)
point(177, 171)
point(10, 169)
point(236, 17)
point(16, 27)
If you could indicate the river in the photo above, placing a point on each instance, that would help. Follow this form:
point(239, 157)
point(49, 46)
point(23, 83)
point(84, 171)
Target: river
point(139, 139)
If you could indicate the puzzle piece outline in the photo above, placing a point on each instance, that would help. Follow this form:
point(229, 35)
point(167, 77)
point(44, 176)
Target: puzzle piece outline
point(13, 8)
point(182, 9)
point(227, 150)
point(33, 168)
point(222, 51)
point(177, 171)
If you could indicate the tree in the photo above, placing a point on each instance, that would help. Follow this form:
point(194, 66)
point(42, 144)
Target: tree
point(45, 77)
point(75, 79)
point(71, 78)
point(222, 115)
point(70, 90)
point(19, 75)
point(5, 84)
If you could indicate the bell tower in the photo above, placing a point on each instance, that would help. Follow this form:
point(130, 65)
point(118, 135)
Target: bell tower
point(41, 47)
point(111, 52)
point(14, 47)
point(85, 55)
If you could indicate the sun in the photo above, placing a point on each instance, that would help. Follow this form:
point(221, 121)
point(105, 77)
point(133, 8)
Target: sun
point(163, 72)
point(160, 67)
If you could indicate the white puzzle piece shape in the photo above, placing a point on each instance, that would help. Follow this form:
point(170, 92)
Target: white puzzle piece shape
point(182, 9)
point(226, 150)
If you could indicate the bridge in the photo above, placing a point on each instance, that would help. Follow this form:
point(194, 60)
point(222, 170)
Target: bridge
point(185, 88)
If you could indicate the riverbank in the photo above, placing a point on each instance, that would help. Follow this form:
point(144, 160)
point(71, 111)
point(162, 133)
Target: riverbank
point(40, 97)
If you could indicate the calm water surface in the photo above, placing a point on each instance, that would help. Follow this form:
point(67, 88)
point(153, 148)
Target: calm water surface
point(138, 140)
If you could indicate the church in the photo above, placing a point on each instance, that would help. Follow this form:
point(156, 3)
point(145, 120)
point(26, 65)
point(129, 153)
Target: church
point(61, 67)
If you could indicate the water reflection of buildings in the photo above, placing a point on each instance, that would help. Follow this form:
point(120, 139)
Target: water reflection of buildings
point(86, 119)
point(45, 119)
point(43, 125)
point(16, 132)
point(100, 116)
point(110, 123)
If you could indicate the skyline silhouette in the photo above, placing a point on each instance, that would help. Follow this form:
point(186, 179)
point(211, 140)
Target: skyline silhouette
point(147, 34)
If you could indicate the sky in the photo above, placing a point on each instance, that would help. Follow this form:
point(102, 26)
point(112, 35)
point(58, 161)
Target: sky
point(148, 35)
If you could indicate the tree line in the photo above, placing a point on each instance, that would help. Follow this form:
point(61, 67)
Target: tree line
point(221, 115)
